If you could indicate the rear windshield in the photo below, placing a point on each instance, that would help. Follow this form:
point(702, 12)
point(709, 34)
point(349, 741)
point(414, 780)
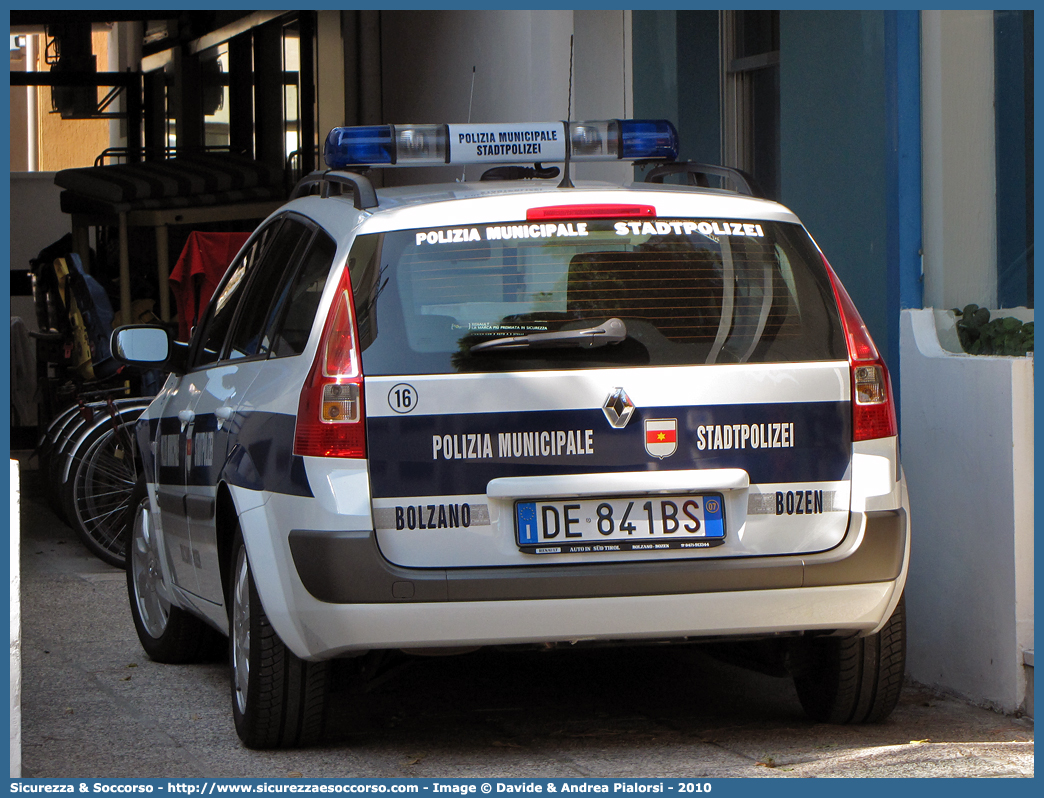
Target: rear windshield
point(688, 291)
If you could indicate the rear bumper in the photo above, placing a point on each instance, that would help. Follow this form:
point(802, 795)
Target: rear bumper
point(348, 568)
point(336, 629)
point(371, 604)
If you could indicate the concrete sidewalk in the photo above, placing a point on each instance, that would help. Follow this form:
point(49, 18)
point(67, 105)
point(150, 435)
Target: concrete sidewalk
point(95, 706)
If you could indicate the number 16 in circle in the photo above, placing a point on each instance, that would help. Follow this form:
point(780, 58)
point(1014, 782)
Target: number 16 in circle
point(402, 398)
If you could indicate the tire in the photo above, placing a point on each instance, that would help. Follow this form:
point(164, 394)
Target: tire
point(105, 472)
point(168, 634)
point(853, 679)
point(278, 699)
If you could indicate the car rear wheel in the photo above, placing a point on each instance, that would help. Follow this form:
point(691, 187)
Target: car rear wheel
point(167, 633)
point(853, 679)
point(278, 699)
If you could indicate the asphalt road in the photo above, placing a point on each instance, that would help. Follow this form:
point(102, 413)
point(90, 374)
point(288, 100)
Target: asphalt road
point(93, 705)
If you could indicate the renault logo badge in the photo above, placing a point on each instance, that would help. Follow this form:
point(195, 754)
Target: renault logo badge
point(618, 408)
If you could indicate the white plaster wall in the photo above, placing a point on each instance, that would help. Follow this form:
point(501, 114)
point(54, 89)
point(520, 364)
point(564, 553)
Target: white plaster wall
point(967, 449)
point(958, 159)
point(16, 631)
point(602, 80)
point(1022, 476)
point(521, 61)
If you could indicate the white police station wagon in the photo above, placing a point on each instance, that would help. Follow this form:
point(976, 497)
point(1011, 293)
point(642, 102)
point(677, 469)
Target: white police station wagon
point(521, 411)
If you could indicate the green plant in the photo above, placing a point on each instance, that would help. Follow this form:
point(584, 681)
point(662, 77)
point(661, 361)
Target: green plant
point(981, 336)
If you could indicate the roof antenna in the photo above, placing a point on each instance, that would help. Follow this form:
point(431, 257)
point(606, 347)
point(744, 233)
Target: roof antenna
point(464, 171)
point(566, 181)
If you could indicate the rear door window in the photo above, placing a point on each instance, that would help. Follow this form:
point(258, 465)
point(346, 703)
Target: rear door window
point(689, 291)
point(294, 310)
point(267, 291)
point(222, 308)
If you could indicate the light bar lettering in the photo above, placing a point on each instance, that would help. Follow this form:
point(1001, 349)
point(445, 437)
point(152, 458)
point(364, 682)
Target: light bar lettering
point(494, 143)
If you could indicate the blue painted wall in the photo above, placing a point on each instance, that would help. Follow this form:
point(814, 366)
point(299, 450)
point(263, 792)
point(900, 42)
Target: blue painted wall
point(849, 136)
point(904, 196)
point(699, 108)
point(1014, 81)
point(833, 136)
point(675, 62)
point(654, 56)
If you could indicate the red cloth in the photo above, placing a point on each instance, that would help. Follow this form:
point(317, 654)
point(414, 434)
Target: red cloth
point(199, 269)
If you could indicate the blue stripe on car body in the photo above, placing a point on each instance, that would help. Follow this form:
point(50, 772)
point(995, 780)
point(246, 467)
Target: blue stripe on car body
point(408, 467)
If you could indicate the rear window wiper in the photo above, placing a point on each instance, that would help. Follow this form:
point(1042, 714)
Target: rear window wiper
point(612, 331)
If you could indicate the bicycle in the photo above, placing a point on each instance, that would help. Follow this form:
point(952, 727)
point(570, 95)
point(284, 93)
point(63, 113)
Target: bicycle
point(102, 470)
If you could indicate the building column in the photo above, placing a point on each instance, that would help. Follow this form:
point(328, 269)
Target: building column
point(959, 159)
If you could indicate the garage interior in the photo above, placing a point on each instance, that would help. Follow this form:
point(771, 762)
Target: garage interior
point(153, 125)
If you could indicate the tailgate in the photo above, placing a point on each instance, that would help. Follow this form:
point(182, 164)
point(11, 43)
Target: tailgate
point(452, 477)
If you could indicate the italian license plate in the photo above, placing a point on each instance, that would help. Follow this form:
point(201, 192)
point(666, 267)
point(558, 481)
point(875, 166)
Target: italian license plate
point(643, 523)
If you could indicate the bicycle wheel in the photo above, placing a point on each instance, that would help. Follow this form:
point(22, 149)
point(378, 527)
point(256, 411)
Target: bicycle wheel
point(60, 462)
point(49, 438)
point(82, 438)
point(101, 490)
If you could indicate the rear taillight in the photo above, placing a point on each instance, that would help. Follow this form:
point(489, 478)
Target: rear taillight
point(330, 418)
point(873, 410)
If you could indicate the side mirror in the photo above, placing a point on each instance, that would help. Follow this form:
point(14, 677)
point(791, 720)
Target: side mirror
point(146, 347)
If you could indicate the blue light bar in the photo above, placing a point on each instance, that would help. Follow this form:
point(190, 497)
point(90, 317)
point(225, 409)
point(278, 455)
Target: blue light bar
point(648, 138)
point(349, 146)
point(514, 142)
